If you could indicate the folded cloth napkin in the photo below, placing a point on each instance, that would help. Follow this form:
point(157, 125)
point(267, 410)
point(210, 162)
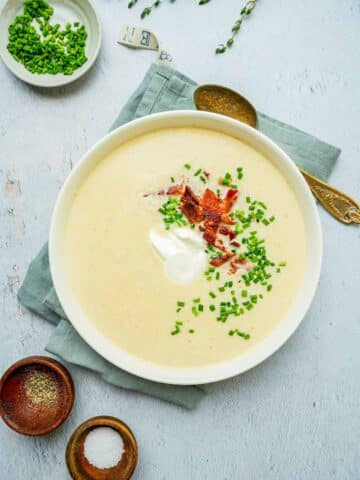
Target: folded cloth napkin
point(163, 88)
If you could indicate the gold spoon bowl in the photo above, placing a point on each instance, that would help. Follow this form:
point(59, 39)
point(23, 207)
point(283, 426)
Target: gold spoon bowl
point(222, 100)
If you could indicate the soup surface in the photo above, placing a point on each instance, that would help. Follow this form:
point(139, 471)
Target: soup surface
point(185, 247)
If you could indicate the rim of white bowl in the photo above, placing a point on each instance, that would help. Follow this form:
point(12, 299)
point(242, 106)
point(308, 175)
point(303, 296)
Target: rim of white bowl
point(58, 80)
point(212, 372)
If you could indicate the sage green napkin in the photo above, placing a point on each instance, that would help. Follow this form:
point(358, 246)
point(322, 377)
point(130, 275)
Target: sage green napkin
point(163, 88)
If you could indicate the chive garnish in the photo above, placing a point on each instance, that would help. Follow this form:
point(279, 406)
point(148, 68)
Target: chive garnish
point(237, 332)
point(172, 214)
point(187, 166)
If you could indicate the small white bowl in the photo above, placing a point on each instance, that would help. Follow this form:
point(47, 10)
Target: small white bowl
point(260, 351)
point(65, 11)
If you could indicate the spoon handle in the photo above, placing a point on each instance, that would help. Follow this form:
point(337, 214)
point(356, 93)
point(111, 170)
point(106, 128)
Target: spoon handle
point(340, 205)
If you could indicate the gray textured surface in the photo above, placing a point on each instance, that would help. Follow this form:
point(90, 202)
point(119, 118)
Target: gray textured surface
point(295, 416)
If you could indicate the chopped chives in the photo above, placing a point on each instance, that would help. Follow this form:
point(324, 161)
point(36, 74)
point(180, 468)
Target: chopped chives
point(194, 311)
point(237, 332)
point(197, 172)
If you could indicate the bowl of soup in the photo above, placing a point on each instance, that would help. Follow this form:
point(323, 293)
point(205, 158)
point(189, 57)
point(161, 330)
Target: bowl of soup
point(185, 247)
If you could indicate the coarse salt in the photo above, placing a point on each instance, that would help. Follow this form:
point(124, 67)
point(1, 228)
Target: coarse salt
point(103, 447)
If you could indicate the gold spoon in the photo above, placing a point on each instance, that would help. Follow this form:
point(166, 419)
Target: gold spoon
point(218, 99)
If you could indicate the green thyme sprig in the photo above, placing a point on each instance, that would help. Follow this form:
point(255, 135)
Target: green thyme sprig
point(245, 12)
point(147, 10)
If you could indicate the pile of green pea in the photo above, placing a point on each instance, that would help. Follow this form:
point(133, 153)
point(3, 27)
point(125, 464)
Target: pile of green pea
point(44, 48)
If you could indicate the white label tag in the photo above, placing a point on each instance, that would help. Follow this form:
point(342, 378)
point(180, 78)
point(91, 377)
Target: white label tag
point(138, 37)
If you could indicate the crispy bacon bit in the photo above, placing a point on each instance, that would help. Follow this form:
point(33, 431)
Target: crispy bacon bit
point(210, 212)
point(227, 231)
point(226, 219)
point(190, 206)
point(229, 200)
point(211, 224)
point(207, 174)
point(236, 264)
point(210, 201)
point(234, 243)
point(176, 190)
point(227, 204)
point(232, 234)
point(220, 260)
point(160, 192)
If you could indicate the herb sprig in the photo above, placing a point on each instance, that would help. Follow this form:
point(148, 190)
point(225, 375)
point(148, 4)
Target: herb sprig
point(222, 47)
point(245, 12)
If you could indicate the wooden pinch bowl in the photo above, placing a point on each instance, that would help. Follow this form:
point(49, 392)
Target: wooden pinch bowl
point(81, 469)
point(16, 408)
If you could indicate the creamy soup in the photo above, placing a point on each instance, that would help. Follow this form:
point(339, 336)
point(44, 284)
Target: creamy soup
point(185, 247)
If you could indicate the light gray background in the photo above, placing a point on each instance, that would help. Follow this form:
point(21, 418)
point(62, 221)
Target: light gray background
point(294, 417)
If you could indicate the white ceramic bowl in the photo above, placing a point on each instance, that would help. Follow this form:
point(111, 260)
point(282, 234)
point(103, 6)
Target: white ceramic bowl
point(64, 11)
point(261, 350)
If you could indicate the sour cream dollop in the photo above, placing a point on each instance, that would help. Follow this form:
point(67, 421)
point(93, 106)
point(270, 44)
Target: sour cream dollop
point(182, 251)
